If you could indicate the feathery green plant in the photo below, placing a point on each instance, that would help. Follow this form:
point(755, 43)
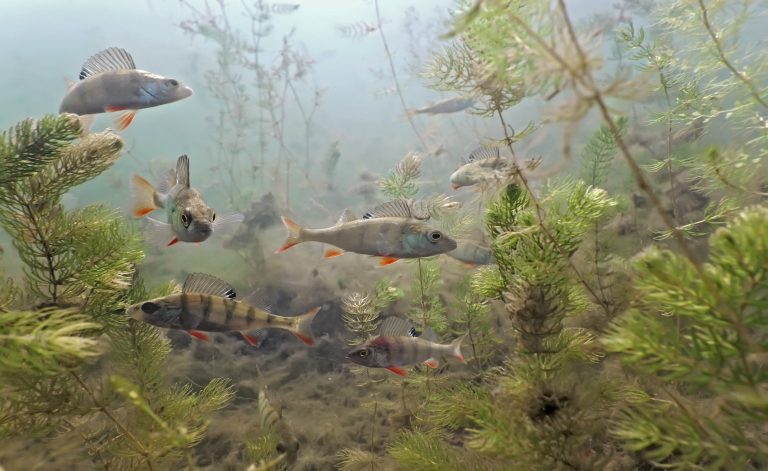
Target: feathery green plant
point(79, 268)
point(710, 410)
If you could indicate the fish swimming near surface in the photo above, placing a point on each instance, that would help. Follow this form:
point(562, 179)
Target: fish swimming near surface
point(392, 231)
point(188, 217)
point(472, 253)
point(110, 81)
point(272, 421)
point(484, 164)
point(398, 344)
point(449, 105)
point(208, 304)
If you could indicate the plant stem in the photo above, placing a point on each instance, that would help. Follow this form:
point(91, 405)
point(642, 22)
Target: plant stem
point(142, 449)
point(394, 76)
point(721, 55)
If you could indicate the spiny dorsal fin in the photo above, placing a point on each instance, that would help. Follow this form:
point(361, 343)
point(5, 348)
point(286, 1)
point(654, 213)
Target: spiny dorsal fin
point(345, 217)
point(399, 208)
point(397, 327)
point(201, 283)
point(182, 170)
point(113, 58)
point(482, 153)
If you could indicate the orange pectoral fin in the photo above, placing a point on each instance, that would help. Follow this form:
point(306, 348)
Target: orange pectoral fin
point(198, 335)
point(331, 252)
point(173, 241)
point(398, 371)
point(384, 261)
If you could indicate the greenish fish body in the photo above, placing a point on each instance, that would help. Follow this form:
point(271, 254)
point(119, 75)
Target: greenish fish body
point(188, 216)
point(390, 231)
point(207, 304)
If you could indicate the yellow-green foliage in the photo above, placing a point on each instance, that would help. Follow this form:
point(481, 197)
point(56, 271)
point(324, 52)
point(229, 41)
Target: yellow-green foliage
point(79, 268)
point(712, 407)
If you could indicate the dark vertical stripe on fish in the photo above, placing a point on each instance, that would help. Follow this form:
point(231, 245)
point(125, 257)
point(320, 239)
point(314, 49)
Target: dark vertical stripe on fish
point(250, 316)
point(229, 310)
point(206, 302)
point(270, 318)
point(184, 304)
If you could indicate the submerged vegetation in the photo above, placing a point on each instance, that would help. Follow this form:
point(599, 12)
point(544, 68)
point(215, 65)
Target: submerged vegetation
point(621, 324)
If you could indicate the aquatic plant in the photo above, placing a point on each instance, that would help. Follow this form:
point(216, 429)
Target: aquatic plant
point(79, 274)
point(708, 408)
point(536, 399)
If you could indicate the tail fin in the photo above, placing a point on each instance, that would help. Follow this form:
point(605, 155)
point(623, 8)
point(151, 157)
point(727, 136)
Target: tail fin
point(456, 348)
point(143, 196)
point(302, 328)
point(294, 234)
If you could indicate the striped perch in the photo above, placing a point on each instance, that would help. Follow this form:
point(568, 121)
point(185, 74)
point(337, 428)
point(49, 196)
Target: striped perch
point(398, 345)
point(208, 304)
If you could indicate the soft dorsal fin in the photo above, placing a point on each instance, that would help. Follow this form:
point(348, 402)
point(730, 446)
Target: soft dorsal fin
point(167, 182)
point(397, 327)
point(399, 208)
point(345, 217)
point(113, 58)
point(182, 170)
point(260, 300)
point(201, 283)
point(482, 153)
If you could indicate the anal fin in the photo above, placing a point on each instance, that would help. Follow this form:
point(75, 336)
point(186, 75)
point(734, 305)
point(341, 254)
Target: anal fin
point(199, 335)
point(255, 338)
point(431, 363)
point(398, 371)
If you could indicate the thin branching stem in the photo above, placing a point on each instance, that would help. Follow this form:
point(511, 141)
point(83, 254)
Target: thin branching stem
point(142, 449)
point(394, 77)
point(540, 218)
point(721, 55)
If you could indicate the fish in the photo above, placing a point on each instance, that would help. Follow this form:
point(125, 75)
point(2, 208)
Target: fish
point(272, 421)
point(110, 82)
point(472, 253)
point(208, 304)
point(449, 105)
point(397, 344)
point(484, 164)
point(188, 217)
point(391, 231)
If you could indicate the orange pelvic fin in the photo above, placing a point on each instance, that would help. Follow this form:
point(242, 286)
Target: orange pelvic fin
point(124, 120)
point(199, 335)
point(398, 371)
point(384, 261)
point(255, 339)
point(173, 241)
point(431, 363)
point(332, 252)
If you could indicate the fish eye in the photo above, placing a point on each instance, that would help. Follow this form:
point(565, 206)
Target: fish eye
point(213, 216)
point(185, 219)
point(149, 307)
point(173, 82)
point(362, 353)
point(434, 236)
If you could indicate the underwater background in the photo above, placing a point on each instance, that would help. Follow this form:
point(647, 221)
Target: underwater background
point(608, 289)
